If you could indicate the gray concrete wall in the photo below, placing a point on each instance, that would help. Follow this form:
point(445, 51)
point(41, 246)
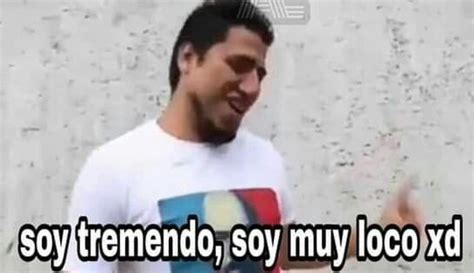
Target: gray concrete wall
point(363, 96)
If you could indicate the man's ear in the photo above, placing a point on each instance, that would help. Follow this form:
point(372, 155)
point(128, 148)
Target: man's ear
point(186, 55)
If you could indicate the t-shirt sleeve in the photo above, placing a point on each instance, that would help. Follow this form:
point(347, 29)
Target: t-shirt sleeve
point(288, 211)
point(285, 192)
point(96, 195)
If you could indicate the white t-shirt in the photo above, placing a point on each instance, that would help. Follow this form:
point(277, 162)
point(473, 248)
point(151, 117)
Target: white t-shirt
point(148, 176)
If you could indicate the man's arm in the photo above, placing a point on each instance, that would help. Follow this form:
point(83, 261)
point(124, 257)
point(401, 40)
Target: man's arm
point(96, 195)
point(398, 211)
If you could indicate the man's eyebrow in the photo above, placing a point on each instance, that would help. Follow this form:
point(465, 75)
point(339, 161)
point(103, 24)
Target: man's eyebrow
point(245, 57)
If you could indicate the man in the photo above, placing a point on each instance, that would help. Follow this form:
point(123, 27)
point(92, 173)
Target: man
point(195, 159)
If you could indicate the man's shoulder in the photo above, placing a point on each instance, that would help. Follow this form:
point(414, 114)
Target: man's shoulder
point(258, 145)
point(124, 149)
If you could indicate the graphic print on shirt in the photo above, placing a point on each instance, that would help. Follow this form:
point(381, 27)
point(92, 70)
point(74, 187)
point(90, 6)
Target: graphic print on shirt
point(222, 210)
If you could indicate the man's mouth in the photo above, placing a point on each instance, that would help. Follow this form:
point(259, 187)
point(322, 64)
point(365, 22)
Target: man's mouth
point(239, 108)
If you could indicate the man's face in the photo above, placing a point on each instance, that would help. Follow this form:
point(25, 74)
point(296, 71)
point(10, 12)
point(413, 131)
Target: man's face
point(226, 82)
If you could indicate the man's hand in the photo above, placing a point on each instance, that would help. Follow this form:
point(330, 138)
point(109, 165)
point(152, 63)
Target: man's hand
point(402, 210)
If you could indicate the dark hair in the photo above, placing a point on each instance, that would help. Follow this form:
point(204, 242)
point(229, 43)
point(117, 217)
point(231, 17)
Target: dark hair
point(209, 24)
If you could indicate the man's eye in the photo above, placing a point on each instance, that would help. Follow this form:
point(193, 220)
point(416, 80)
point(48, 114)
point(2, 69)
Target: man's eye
point(241, 66)
point(261, 73)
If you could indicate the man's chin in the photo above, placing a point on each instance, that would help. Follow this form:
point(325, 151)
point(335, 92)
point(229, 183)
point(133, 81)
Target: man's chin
point(223, 132)
point(222, 136)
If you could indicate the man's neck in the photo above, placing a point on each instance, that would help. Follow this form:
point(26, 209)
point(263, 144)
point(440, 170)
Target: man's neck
point(179, 121)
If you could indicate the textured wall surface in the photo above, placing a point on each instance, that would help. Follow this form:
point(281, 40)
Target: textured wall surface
point(363, 96)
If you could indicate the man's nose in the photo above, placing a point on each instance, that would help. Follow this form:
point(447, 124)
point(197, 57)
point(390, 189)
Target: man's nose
point(250, 83)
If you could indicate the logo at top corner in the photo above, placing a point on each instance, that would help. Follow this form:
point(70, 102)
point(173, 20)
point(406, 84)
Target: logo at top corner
point(289, 12)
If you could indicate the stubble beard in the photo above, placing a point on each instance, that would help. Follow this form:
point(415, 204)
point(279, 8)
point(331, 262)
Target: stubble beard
point(206, 127)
